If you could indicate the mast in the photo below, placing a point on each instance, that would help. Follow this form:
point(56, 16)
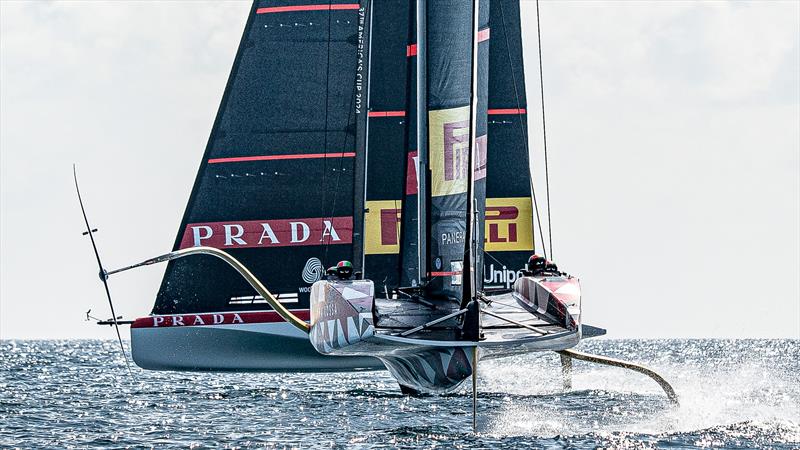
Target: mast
point(362, 134)
point(469, 290)
point(411, 272)
point(422, 140)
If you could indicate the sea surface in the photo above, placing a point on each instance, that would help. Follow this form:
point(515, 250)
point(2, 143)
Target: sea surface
point(734, 394)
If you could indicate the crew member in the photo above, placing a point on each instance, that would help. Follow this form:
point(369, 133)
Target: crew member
point(536, 265)
point(330, 273)
point(551, 267)
point(344, 270)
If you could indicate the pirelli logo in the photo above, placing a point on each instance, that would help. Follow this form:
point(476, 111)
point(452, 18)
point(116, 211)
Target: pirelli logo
point(509, 224)
point(449, 150)
point(508, 227)
point(382, 227)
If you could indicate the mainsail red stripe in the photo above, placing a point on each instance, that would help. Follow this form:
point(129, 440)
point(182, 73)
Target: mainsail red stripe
point(493, 112)
point(386, 114)
point(483, 35)
point(280, 9)
point(490, 112)
point(411, 50)
point(277, 157)
point(444, 274)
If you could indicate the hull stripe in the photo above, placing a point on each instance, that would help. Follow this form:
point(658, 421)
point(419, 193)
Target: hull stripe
point(222, 318)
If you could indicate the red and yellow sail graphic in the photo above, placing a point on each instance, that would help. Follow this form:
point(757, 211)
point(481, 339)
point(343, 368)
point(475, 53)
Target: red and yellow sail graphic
point(449, 150)
point(508, 226)
point(382, 227)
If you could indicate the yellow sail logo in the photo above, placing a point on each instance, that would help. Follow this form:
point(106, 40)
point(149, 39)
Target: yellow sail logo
point(382, 227)
point(449, 150)
point(508, 225)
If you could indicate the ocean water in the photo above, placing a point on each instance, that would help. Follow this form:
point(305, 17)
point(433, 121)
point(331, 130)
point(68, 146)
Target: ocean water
point(734, 394)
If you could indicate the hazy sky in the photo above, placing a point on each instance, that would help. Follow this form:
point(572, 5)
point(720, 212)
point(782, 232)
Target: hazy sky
point(673, 132)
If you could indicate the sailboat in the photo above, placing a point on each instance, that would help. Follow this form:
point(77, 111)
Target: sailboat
point(388, 135)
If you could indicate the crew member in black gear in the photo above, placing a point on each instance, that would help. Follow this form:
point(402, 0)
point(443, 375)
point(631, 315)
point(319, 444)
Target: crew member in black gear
point(330, 273)
point(551, 267)
point(344, 270)
point(536, 265)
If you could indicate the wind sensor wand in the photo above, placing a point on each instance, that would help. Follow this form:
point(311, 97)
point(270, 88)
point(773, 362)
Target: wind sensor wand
point(103, 274)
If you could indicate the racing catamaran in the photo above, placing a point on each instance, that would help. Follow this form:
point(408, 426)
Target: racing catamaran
point(391, 135)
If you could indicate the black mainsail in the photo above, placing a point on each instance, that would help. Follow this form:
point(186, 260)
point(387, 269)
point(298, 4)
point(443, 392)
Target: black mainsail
point(275, 187)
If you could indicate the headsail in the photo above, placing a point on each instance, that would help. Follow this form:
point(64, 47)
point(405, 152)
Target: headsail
point(509, 212)
point(276, 184)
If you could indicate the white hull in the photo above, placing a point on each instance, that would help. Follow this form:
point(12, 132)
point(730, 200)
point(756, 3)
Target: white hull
point(256, 347)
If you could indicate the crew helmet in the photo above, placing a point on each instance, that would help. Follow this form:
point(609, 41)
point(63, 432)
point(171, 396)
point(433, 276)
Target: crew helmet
point(536, 263)
point(344, 269)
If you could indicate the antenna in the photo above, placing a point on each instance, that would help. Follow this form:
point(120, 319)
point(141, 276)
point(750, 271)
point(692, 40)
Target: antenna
point(103, 274)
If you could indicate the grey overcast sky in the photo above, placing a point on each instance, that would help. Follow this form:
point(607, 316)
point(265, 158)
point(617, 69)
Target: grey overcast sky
point(673, 132)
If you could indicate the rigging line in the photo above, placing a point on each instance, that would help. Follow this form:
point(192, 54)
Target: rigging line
point(511, 306)
point(433, 322)
point(544, 132)
point(522, 129)
point(517, 323)
point(325, 139)
point(485, 253)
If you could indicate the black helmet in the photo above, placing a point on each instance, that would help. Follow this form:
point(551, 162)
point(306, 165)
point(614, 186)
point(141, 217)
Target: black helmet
point(330, 271)
point(344, 269)
point(536, 263)
point(550, 266)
